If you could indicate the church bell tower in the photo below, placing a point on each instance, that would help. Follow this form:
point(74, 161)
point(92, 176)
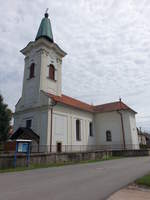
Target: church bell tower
point(43, 65)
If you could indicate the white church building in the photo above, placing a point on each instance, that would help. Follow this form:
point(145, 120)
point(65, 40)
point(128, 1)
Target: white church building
point(62, 122)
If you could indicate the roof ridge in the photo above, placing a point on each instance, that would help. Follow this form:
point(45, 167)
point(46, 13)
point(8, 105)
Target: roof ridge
point(106, 103)
point(77, 100)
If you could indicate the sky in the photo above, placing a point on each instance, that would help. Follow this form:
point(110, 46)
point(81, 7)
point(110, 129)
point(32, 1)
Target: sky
point(107, 44)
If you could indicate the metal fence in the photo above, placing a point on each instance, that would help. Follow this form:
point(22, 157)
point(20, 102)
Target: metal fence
point(69, 148)
point(1, 146)
point(81, 148)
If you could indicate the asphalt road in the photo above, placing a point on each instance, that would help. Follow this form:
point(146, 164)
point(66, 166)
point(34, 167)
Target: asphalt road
point(95, 181)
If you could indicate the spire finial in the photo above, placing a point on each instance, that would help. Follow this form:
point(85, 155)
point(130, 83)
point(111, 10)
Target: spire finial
point(46, 13)
point(45, 29)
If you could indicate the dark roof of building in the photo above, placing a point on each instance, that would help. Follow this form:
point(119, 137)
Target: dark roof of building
point(25, 131)
point(108, 107)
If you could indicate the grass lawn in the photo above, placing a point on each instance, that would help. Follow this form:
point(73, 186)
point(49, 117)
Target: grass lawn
point(145, 180)
point(38, 166)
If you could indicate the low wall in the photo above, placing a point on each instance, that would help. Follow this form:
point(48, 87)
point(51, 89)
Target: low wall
point(7, 160)
point(128, 153)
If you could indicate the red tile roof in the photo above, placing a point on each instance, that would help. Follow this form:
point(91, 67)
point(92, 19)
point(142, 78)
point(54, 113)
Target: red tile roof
point(72, 102)
point(114, 106)
point(108, 107)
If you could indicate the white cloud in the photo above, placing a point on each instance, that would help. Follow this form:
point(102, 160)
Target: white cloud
point(108, 46)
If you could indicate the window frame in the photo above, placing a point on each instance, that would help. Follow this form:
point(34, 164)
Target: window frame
point(52, 72)
point(32, 71)
point(78, 130)
point(91, 129)
point(27, 121)
point(108, 136)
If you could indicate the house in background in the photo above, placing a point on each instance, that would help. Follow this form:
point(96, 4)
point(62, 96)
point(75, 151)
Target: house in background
point(144, 138)
point(61, 121)
point(147, 135)
point(141, 137)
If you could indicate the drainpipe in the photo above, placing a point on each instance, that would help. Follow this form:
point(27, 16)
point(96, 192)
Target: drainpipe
point(51, 130)
point(122, 125)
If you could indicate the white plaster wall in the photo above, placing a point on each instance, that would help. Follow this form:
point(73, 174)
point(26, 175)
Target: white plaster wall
point(48, 56)
point(127, 128)
point(30, 92)
point(60, 129)
point(134, 134)
point(20, 120)
point(39, 122)
point(43, 127)
point(64, 126)
point(131, 137)
point(42, 56)
point(108, 121)
point(112, 121)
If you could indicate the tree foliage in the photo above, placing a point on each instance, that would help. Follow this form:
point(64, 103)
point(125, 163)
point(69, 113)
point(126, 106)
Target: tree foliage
point(5, 118)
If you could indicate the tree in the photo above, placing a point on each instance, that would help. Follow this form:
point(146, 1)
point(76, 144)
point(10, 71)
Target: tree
point(5, 118)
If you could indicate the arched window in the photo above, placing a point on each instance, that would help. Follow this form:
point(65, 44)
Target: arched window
point(78, 130)
point(91, 128)
point(32, 69)
point(108, 136)
point(51, 72)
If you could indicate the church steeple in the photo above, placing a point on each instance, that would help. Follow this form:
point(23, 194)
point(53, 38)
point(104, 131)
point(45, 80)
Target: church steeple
point(45, 29)
point(43, 65)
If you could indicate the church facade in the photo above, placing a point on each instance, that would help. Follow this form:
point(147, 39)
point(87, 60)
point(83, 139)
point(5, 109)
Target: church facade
point(59, 120)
